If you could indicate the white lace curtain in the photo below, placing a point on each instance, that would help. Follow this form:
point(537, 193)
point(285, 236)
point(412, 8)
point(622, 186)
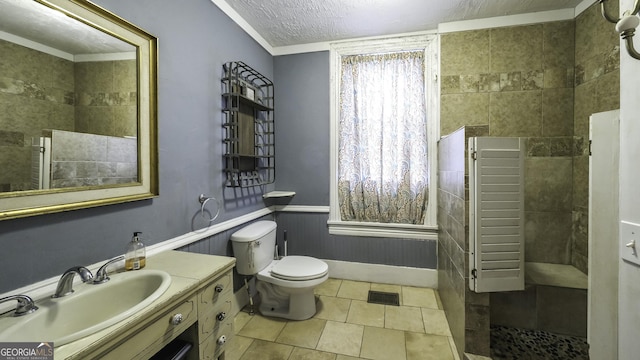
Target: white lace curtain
point(382, 163)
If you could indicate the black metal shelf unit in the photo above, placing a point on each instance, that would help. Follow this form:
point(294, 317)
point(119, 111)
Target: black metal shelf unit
point(248, 123)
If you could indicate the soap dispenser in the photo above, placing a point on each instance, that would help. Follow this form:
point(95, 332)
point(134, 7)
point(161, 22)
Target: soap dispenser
point(135, 257)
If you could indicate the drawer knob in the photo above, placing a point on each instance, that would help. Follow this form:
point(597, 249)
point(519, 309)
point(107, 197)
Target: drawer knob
point(219, 288)
point(221, 316)
point(221, 340)
point(176, 319)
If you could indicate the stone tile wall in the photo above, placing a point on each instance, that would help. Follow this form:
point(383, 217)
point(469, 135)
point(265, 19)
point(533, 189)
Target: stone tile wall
point(518, 81)
point(453, 230)
point(79, 159)
point(597, 89)
point(107, 98)
point(540, 82)
point(467, 312)
point(36, 92)
point(39, 91)
point(559, 310)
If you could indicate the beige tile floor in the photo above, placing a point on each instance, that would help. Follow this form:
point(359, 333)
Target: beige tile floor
point(347, 327)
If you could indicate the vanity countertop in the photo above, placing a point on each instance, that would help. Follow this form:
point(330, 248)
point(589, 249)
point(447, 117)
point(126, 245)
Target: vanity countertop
point(189, 272)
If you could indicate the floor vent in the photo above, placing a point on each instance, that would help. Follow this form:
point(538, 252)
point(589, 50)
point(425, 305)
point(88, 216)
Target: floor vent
point(384, 298)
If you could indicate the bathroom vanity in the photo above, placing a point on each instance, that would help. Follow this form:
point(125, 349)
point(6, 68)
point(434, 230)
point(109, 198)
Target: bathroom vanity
point(196, 308)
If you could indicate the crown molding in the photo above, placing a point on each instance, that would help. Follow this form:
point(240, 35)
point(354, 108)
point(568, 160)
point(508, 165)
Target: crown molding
point(227, 9)
point(584, 5)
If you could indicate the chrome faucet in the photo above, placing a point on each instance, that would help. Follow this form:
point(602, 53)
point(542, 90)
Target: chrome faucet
point(25, 304)
point(102, 275)
point(65, 284)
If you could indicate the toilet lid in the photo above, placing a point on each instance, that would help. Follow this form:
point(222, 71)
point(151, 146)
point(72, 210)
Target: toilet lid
point(299, 268)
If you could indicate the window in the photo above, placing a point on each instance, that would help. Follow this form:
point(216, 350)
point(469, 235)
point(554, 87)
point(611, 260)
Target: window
point(384, 122)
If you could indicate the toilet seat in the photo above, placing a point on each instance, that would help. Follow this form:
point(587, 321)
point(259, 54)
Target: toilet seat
point(299, 268)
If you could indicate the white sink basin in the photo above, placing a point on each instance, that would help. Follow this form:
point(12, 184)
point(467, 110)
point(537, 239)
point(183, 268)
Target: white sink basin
point(89, 309)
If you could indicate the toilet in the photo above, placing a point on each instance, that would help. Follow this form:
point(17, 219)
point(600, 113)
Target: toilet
point(285, 285)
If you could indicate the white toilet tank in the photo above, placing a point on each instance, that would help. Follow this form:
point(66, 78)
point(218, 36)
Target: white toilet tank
point(254, 246)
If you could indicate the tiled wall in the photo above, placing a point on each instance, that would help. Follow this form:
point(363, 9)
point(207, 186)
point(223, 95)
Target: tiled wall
point(40, 91)
point(452, 233)
point(107, 98)
point(518, 81)
point(467, 312)
point(540, 82)
point(559, 310)
point(79, 159)
point(36, 92)
point(597, 89)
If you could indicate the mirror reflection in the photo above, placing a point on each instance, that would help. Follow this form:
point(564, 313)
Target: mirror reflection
point(68, 102)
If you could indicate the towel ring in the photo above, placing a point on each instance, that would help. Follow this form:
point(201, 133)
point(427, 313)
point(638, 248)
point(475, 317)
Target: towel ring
point(203, 202)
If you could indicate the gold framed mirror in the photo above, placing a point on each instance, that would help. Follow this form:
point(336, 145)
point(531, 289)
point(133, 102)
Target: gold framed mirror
point(78, 108)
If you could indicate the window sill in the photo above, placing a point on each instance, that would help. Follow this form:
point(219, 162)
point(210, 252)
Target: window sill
point(403, 231)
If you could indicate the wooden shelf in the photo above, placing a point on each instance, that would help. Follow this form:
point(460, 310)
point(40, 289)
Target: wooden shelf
point(246, 101)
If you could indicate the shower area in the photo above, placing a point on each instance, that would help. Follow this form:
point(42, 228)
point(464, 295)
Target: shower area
point(75, 102)
point(540, 83)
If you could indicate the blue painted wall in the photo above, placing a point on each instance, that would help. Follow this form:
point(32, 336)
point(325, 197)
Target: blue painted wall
point(195, 39)
point(302, 126)
point(307, 234)
point(302, 160)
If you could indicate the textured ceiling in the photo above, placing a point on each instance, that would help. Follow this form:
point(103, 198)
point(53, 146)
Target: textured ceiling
point(36, 22)
point(281, 22)
point(294, 22)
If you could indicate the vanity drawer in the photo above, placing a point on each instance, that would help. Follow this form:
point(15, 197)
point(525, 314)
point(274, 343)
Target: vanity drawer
point(218, 291)
point(210, 321)
point(156, 335)
point(212, 347)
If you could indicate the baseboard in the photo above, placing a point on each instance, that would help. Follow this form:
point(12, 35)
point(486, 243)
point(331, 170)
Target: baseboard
point(385, 274)
point(346, 270)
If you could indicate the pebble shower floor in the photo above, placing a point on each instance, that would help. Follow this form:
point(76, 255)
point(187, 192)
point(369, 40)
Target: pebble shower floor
point(522, 344)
